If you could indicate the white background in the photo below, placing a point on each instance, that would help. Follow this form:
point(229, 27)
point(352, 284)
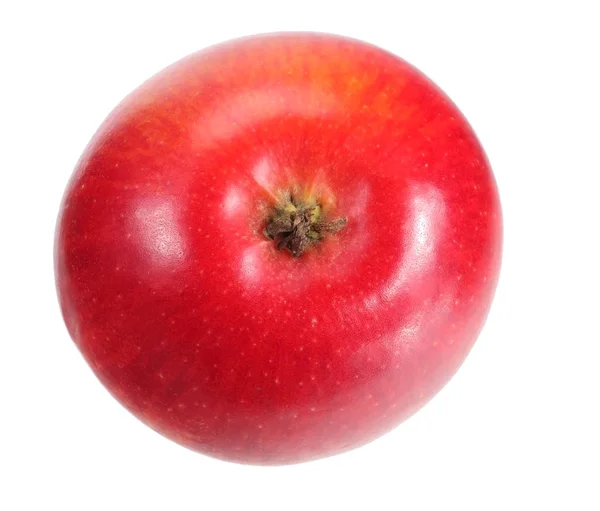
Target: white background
point(518, 426)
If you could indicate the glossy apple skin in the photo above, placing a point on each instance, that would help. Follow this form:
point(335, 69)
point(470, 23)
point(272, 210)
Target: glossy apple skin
point(209, 334)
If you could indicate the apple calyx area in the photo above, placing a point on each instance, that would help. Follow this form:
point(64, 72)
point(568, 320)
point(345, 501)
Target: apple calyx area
point(295, 224)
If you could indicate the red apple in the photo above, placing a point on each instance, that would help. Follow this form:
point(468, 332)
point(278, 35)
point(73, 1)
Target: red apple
point(280, 247)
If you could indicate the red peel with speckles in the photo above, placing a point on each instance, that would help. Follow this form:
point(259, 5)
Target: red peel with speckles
point(191, 316)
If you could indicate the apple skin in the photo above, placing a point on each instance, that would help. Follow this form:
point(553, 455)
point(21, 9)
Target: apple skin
point(208, 333)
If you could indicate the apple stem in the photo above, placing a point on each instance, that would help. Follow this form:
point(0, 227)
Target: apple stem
point(296, 225)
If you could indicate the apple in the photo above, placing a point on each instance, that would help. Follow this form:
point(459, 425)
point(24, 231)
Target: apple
point(279, 248)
